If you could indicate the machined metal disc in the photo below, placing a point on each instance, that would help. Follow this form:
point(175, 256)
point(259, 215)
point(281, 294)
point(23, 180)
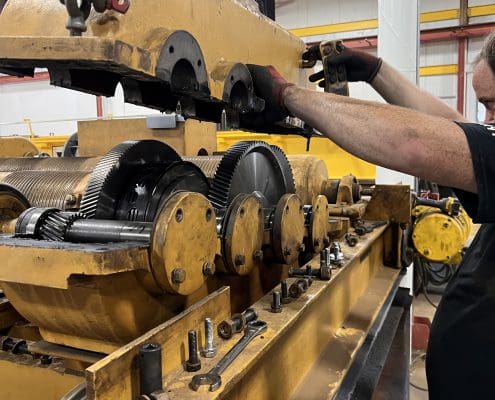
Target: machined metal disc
point(252, 167)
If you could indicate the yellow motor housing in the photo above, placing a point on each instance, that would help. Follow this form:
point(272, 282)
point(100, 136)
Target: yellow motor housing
point(438, 236)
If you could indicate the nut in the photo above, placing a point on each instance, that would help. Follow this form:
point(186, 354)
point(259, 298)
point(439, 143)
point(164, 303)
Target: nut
point(239, 260)
point(178, 276)
point(209, 269)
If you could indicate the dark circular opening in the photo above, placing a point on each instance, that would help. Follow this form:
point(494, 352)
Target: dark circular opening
point(171, 49)
point(202, 152)
point(242, 212)
point(209, 213)
point(200, 63)
point(183, 77)
point(239, 98)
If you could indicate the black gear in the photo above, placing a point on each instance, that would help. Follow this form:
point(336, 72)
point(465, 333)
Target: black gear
point(110, 174)
point(239, 169)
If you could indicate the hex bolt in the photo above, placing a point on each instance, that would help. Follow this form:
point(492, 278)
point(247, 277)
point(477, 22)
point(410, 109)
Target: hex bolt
point(178, 276)
point(209, 350)
point(235, 324)
point(239, 260)
point(209, 269)
point(297, 289)
point(258, 255)
point(250, 314)
point(276, 302)
point(324, 258)
point(285, 292)
point(193, 364)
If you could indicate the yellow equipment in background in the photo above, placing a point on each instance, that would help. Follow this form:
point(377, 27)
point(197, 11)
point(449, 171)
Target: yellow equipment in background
point(440, 230)
point(339, 163)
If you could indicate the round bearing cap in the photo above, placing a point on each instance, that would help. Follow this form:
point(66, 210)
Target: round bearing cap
point(288, 229)
point(184, 239)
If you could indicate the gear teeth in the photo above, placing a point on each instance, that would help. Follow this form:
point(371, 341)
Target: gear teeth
point(220, 191)
point(110, 166)
point(55, 225)
point(102, 173)
point(286, 167)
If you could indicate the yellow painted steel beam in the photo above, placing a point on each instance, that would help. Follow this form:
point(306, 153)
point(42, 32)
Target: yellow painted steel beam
point(434, 16)
point(336, 28)
point(481, 11)
point(449, 69)
point(442, 15)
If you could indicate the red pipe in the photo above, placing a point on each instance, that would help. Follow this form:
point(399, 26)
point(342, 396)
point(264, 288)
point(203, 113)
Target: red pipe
point(461, 74)
point(99, 107)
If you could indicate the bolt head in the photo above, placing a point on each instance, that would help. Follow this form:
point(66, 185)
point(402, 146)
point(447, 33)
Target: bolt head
point(193, 366)
point(295, 291)
point(209, 269)
point(178, 276)
point(209, 353)
point(302, 248)
point(239, 260)
point(258, 255)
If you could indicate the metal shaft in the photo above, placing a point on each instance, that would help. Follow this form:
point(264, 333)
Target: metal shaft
point(88, 231)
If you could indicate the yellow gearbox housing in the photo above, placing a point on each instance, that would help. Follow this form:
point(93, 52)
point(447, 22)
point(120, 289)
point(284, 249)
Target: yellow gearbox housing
point(439, 236)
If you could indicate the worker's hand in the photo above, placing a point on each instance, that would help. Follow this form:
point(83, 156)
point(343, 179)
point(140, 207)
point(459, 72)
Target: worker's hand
point(269, 85)
point(360, 65)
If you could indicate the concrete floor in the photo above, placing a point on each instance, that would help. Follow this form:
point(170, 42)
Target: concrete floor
point(417, 375)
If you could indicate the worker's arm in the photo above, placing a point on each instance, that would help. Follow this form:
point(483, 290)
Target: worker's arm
point(405, 140)
point(398, 90)
point(362, 66)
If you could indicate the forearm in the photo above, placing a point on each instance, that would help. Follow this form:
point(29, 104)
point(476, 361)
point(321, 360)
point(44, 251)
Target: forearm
point(393, 137)
point(397, 90)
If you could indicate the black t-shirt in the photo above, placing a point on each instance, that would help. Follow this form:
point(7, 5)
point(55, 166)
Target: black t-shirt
point(460, 361)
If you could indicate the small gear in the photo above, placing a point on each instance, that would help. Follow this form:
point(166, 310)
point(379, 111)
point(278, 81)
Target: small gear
point(55, 225)
point(252, 167)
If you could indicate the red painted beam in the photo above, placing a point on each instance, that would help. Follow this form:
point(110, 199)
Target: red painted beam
point(38, 76)
point(433, 35)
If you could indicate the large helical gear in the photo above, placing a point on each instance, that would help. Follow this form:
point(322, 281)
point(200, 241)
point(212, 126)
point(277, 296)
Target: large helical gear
point(101, 193)
point(252, 167)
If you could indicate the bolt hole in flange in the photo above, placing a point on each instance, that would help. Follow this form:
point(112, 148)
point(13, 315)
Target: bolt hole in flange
point(171, 49)
point(209, 213)
point(179, 215)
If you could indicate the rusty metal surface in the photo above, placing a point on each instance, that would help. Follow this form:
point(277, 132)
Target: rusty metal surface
point(189, 138)
point(319, 314)
point(390, 203)
point(23, 378)
point(116, 376)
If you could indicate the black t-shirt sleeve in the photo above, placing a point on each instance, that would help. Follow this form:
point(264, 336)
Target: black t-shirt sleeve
point(481, 140)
